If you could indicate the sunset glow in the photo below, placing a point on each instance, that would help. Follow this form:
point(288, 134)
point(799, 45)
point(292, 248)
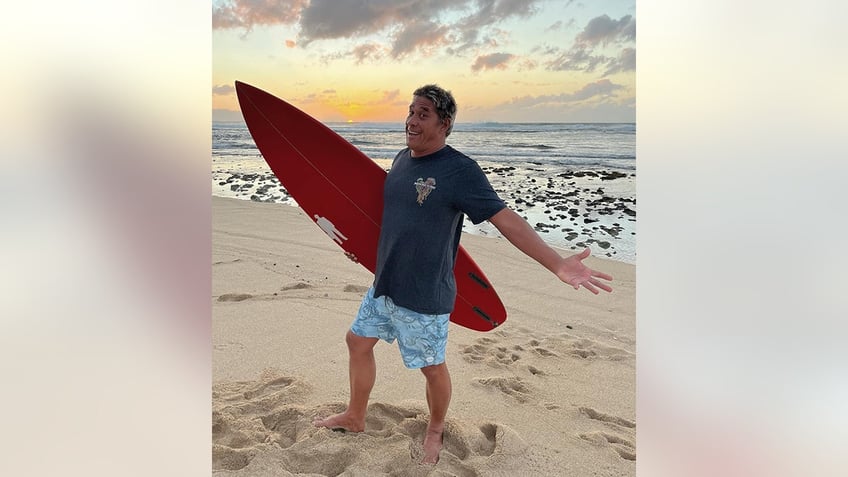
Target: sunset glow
point(504, 60)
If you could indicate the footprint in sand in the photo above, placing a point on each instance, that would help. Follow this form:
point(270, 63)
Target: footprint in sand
point(511, 386)
point(510, 350)
point(258, 425)
point(599, 416)
point(234, 297)
point(489, 350)
point(228, 345)
point(495, 356)
point(296, 286)
point(486, 440)
point(462, 443)
point(507, 350)
point(355, 289)
point(623, 446)
point(224, 262)
point(545, 352)
point(586, 348)
point(395, 434)
point(283, 425)
point(246, 415)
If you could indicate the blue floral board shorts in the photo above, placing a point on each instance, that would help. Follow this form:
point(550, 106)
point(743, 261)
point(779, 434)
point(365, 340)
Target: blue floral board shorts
point(422, 338)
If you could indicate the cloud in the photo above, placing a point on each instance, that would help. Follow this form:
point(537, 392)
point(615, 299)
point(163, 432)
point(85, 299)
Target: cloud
point(528, 64)
point(601, 101)
point(599, 32)
point(604, 30)
point(330, 19)
point(223, 89)
point(390, 97)
point(577, 59)
point(421, 35)
point(626, 61)
point(493, 61)
point(248, 13)
point(424, 27)
point(555, 27)
point(601, 88)
point(327, 19)
point(413, 25)
point(410, 26)
point(494, 11)
point(470, 29)
point(368, 51)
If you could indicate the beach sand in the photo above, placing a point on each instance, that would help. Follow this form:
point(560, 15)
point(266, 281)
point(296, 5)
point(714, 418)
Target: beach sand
point(551, 392)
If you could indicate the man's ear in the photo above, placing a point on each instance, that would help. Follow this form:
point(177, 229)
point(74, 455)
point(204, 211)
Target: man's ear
point(446, 123)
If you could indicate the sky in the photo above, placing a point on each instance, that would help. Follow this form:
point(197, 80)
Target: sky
point(360, 60)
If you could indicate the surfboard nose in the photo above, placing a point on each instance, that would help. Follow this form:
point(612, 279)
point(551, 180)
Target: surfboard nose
point(243, 88)
point(251, 94)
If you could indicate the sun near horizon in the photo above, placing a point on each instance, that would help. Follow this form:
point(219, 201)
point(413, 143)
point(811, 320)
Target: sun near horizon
point(328, 105)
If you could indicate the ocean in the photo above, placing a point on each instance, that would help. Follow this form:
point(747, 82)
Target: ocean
point(575, 183)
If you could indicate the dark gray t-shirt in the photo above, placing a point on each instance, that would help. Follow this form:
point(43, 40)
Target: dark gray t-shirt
point(425, 199)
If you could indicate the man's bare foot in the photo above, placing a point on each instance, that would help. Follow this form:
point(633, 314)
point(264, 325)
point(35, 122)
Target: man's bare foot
point(432, 446)
point(341, 422)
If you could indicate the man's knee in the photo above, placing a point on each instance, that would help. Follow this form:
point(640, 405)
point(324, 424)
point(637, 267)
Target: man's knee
point(359, 344)
point(435, 371)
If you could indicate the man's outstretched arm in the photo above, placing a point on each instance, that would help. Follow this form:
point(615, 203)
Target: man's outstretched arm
point(569, 269)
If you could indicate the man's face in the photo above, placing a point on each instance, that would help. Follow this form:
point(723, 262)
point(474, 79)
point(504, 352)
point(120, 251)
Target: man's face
point(425, 132)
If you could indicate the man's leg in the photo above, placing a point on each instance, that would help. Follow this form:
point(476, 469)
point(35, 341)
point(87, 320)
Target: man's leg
point(438, 399)
point(363, 372)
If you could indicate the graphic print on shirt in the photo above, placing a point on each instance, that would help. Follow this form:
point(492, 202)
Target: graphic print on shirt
point(424, 188)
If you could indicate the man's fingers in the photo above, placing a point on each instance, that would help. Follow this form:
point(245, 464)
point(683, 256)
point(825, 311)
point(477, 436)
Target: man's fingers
point(603, 286)
point(590, 287)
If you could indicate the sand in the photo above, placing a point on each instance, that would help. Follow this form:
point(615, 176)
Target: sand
point(552, 392)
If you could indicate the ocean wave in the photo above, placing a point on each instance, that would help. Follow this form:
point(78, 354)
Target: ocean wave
point(361, 142)
point(592, 145)
point(541, 147)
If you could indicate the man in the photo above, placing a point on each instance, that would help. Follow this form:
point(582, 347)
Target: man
point(428, 190)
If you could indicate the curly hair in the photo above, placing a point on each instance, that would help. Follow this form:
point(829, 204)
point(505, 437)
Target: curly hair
point(442, 99)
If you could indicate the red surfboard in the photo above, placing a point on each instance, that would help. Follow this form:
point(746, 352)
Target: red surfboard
point(341, 189)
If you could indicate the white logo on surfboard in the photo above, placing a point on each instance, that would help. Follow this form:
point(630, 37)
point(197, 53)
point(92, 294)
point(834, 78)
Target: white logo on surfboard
point(329, 229)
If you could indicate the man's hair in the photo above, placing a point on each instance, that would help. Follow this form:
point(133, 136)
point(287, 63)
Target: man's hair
point(442, 99)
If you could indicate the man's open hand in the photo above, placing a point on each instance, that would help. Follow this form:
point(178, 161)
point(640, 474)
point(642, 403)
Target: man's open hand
point(573, 272)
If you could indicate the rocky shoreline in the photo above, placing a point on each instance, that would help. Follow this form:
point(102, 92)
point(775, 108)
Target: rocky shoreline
point(570, 209)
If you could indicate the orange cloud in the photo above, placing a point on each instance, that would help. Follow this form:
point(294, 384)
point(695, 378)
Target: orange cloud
point(493, 61)
point(247, 13)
